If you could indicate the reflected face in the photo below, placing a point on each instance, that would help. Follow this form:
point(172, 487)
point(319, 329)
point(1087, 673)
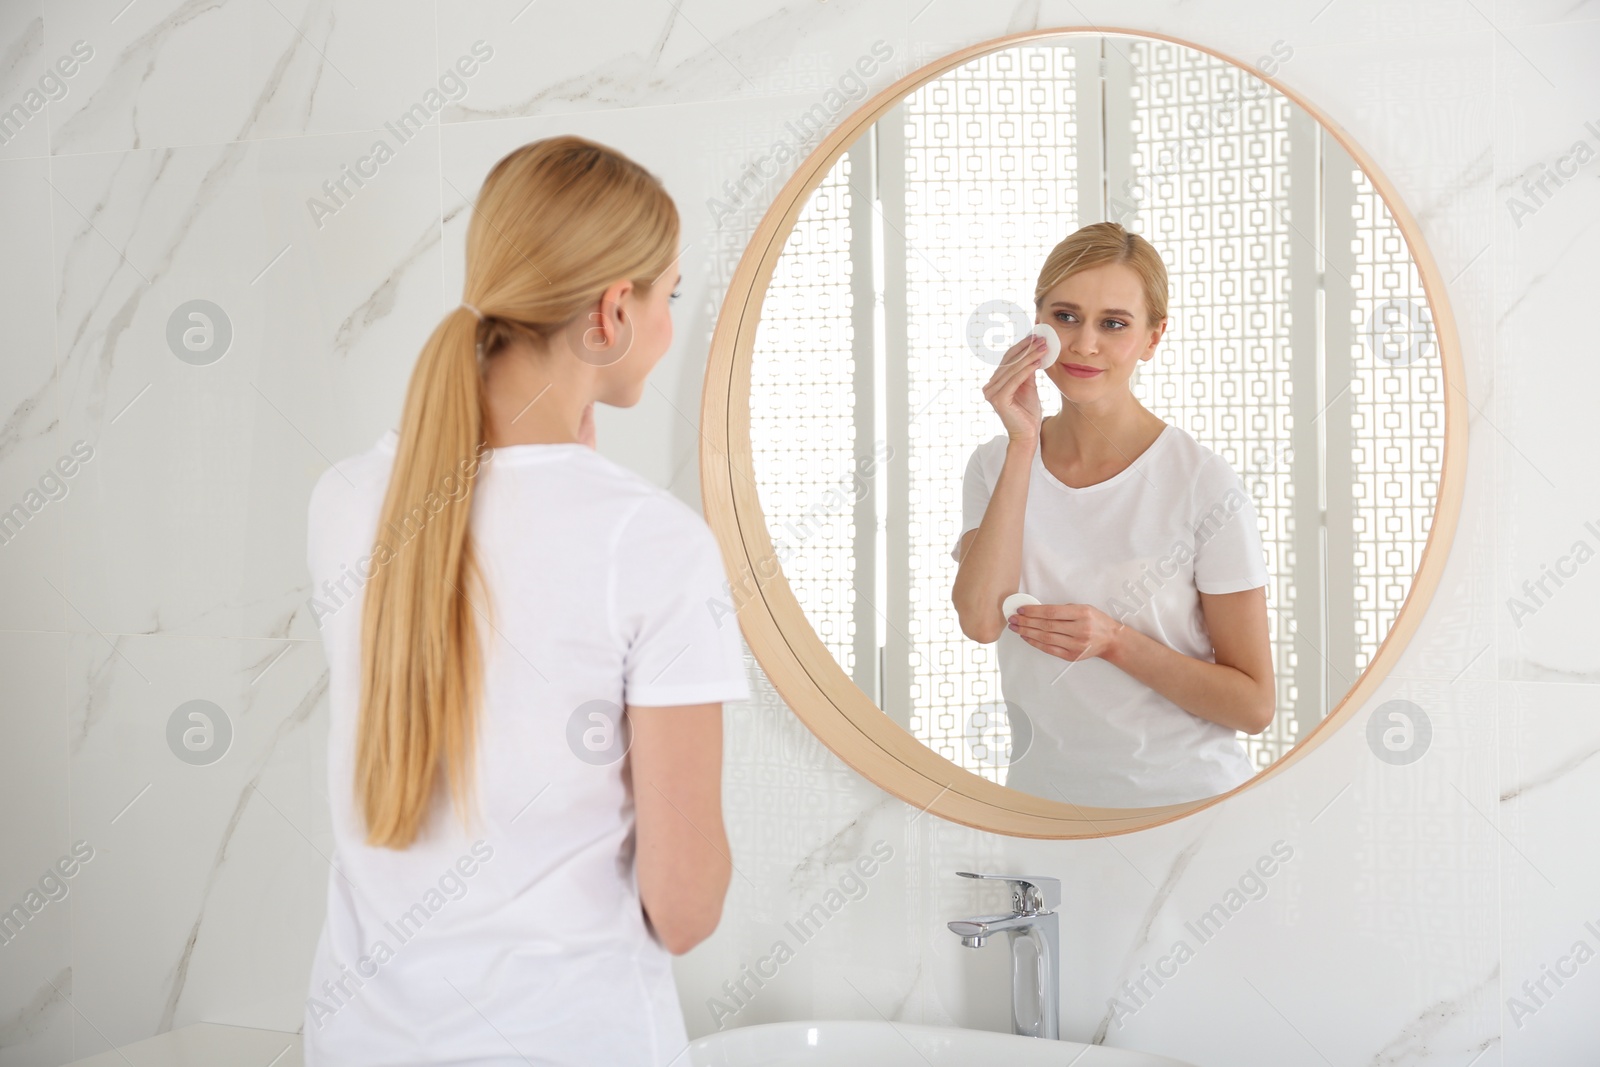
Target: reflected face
point(1100, 316)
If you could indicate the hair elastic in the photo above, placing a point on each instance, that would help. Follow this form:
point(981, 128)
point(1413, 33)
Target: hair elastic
point(472, 309)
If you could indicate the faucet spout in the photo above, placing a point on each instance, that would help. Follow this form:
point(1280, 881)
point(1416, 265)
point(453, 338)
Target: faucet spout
point(984, 925)
point(1033, 932)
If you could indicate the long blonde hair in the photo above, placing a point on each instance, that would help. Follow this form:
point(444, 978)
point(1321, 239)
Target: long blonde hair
point(1107, 242)
point(556, 222)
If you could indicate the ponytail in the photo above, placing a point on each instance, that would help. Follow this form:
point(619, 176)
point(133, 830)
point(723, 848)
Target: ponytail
point(557, 221)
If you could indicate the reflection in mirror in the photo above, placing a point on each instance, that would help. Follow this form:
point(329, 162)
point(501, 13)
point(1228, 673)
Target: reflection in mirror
point(1299, 348)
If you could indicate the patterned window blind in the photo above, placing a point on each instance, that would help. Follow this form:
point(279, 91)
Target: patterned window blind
point(802, 404)
point(1397, 388)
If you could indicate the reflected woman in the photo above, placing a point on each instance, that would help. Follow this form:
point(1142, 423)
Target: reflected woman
point(1148, 652)
point(529, 608)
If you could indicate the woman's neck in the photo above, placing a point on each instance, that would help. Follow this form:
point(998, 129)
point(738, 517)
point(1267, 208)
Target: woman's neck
point(528, 400)
point(1080, 438)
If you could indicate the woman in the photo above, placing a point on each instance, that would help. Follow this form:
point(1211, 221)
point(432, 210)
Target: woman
point(1149, 650)
point(522, 592)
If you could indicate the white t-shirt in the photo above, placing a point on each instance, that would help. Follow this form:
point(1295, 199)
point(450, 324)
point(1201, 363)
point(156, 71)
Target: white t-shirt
point(523, 940)
point(1140, 546)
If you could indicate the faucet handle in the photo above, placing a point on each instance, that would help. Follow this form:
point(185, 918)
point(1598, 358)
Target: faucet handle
point(1031, 892)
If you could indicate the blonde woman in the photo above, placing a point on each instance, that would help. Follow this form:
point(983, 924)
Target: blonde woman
point(515, 859)
point(1129, 682)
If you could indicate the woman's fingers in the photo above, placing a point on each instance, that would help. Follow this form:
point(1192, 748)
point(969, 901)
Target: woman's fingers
point(1011, 390)
point(1019, 354)
point(1013, 372)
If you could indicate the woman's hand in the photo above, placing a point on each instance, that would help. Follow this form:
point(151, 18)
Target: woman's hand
point(1069, 631)
point(1011, 390)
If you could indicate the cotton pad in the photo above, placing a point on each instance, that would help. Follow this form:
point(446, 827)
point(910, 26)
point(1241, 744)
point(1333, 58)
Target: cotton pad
point(1052, 343)
point(1015, 601)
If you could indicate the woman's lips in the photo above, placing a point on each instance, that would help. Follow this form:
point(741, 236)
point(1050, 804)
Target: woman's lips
point(1079, 371)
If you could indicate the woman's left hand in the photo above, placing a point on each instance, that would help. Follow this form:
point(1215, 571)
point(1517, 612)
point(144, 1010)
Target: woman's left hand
point(1069, 631)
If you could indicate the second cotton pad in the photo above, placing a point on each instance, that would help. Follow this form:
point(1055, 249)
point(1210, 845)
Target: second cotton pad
point(1052, 343)
point(1009, 607)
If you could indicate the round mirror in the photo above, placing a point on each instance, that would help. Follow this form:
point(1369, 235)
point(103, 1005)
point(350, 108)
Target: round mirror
point(1290, 431)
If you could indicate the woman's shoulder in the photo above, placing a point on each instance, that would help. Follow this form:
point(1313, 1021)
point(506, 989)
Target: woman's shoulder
point(642, 509)
point(1209, 479)
point(1183, 450)
point(356, 475)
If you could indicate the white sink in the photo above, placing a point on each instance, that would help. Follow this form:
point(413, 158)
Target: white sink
point(883, 1044)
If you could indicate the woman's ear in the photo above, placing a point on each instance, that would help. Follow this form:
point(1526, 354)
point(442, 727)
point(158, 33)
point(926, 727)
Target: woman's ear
point(1156, 335)
point(613, 316)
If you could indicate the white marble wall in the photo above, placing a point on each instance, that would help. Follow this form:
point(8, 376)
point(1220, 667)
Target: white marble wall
point(176, 164)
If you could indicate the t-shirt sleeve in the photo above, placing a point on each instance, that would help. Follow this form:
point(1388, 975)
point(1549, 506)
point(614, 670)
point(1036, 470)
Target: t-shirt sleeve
point(975, 493)
point(1228, 557)
point(667, 583)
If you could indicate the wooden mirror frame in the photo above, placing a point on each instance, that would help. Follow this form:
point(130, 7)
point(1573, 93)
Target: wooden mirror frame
point(801, 668)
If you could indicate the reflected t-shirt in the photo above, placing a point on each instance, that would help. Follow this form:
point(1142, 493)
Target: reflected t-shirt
point(523, 939)
point(1140, 546)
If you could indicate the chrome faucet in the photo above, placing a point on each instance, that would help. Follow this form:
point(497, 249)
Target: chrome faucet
point(1034, 933)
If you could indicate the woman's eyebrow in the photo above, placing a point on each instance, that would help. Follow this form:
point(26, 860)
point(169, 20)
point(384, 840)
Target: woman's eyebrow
point(1070, 306)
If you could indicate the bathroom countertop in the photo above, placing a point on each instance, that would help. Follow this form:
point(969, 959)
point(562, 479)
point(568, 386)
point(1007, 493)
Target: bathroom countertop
point(204, 1045)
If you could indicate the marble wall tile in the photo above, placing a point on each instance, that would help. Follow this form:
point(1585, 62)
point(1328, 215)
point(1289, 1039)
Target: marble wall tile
point(190, 72)
point(209, 878)
point(205, 460)
point(620, 54)
point(1548, 235)
point(1549, 777)
point(25, 127)
point(36, 958)
point(34, 491)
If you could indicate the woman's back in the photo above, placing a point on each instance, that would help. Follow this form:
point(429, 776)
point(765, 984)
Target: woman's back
point(524, 937)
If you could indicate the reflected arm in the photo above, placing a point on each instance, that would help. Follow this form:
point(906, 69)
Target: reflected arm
point(1237, 690)
point(991, 555)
